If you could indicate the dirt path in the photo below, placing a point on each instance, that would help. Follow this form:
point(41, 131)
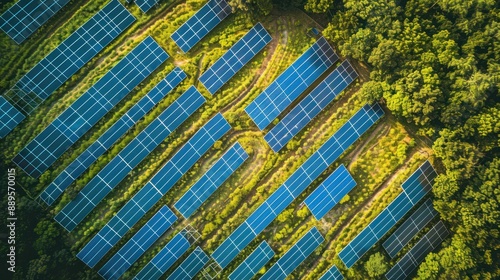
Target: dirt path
point(272, 49)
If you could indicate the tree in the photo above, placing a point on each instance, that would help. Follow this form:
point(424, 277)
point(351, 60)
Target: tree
point(376, 265)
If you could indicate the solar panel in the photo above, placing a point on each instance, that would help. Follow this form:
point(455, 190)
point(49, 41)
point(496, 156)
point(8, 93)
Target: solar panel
point(128, 158)
point(26, 16)
point(138, 244)
point(218, 173)
point(332, 274)
point(330, 192)
point(190, 266)
point(291, 83)
point(155, 189)
point(415, 223)
point(200, 24)
point(235, 58)
point(297, 183)
point(411, 260)
point(10, 117)
point(253, 263)
point(295, 255)
point(311, 106)
point(146, 5)
point(167, 256)
point(89, 108)
point(74, 52)
point(109, 138)
point(394, 212)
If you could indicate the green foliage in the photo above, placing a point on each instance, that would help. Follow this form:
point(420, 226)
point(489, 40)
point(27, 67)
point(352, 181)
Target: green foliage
point(376, 265)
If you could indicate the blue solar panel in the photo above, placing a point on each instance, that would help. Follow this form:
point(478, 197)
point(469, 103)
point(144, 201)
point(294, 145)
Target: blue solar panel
point(167, 256)
point(390, 215)
point(200, 24)
point(10, 117)
point(295, 255)
point(311, 106)
point(26, 16)
point(211, 180)
point(253, 263)
point(155, 189)
point(291, 83)
point(332, 274)
point(190, 266)
point(330, 192)
point(235, 58)
point(415, 223)
point(74, 52)
point(411, 260)
point(108, 138)
point(128, 158)
point(297, 183)
point(138, 244)
point(89, 108)
point(146, 5)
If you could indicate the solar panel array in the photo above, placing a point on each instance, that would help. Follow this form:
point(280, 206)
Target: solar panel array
point(332, 274)
point(415, 223)
point(295, 255)
point(109, 138)
point(297, 183)
point(218, 173)
point(311, 106)
point(235, 58)
point(190, 266)
point(26, 16)
point(167, 256)
point(200, 24)
point(411, 260)
point(291, 83)
point(416, 187)
point(146, 5)
point(74, 52)
point(128, 158)
point(89, 108)
point(10, 117)
point(155, 189)
point(253, 263)
point(330, 192)
point(138, 244)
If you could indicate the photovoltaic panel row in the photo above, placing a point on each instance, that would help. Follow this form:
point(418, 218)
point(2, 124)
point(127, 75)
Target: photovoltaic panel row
point(218, 173)
point(295, 255)
point(332, 274)
point(235, 58)
point(155, 189)
point(394, 212)
point(190, 266)
point(330, 192)
point(253, 263)
point(200, 24)
point(291, 83)
point(414, 224)
point(411, 260)
point(89, 108)
point(146, 5)
point(26, 16)
point(109, 138)
point(10, 117)
point(167, 256)
point(311, 106)
point(318, 162)
point(74, 52)
point(138, 244)
point(128, 158)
